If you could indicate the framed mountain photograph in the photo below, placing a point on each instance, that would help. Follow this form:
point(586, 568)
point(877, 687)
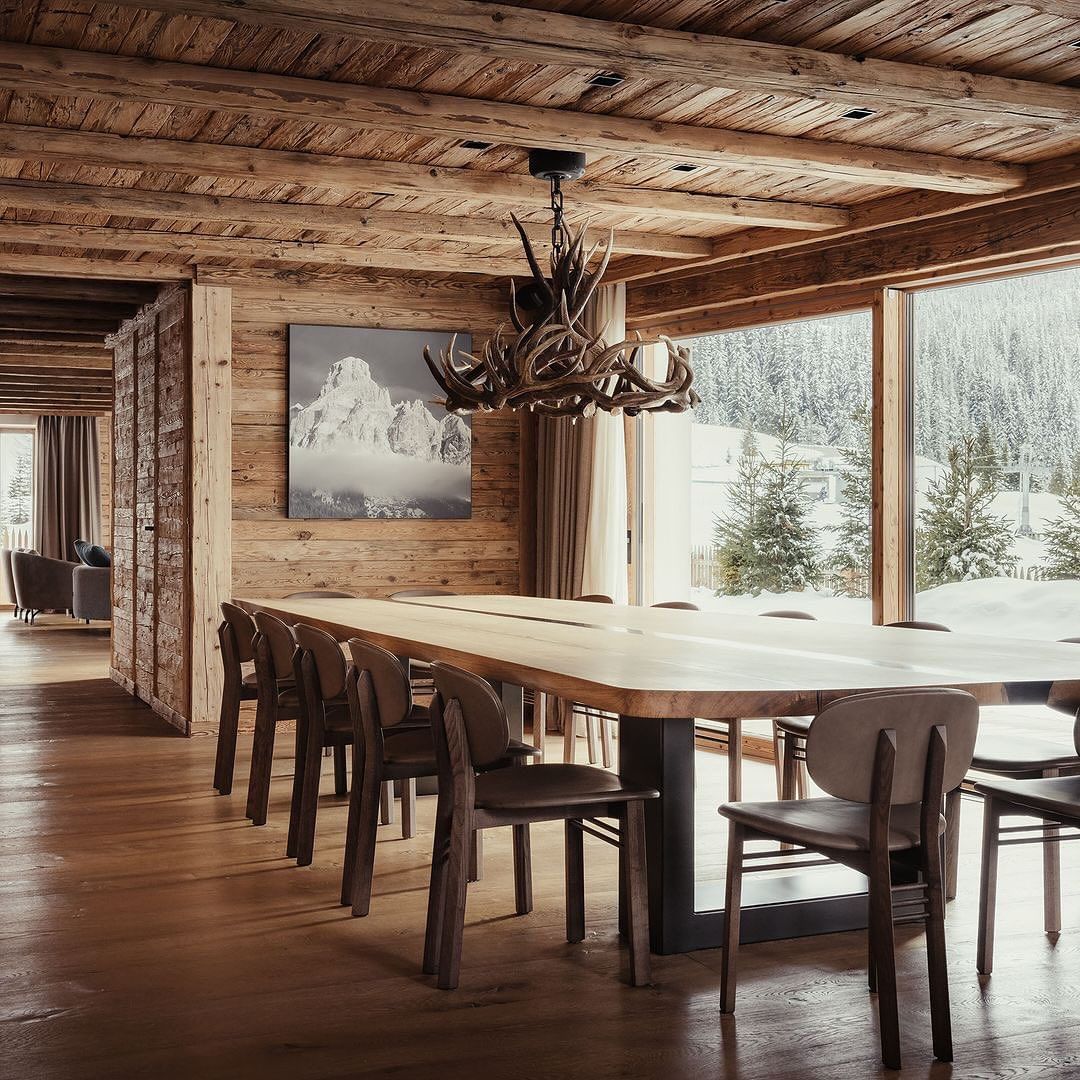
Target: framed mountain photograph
point(366, 439)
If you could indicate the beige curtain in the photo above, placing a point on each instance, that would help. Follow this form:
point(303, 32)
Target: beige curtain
point(581, 494)
point(67, 495)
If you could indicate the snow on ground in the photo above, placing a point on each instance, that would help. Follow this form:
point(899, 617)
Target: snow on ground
point(1000, 607)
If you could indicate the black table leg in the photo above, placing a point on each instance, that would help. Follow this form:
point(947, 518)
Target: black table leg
point(660, 754)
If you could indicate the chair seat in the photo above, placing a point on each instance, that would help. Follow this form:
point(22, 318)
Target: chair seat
point(1057, 796)
point(1015, 752)
point(414, 747)
point(542, 787)
point(419, 717)
point(795, 725)
point(826, 823)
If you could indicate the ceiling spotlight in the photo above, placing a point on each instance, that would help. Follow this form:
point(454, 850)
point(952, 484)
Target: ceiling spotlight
point(1074, 44)
point(858, 114)
point(477, 144)
point(685, 166)
point(607, 79)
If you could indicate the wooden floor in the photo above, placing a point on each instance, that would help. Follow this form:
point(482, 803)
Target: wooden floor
point(149, 931)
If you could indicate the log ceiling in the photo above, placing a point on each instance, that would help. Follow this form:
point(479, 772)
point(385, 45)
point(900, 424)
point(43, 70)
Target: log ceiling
point(161, 139)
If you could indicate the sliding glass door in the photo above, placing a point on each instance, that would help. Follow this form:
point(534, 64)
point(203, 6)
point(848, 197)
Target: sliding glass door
point(996, 471)
point(761, 498)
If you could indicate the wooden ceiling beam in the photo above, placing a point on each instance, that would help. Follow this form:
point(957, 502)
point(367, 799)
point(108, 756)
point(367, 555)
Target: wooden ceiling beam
point(198, 245)
point(26, 409)
point(64, 327)
point(35, 69)
point(1048, 227)
point(61, 309)
point(95, 376)
point(351, 175)
point(43, 338)
point(1044, 178)
point(64, 266)
point(757, 67)
point(90, 355)
point(176, 206)
point(73, 289)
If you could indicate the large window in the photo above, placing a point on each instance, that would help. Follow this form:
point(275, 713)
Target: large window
point(997, 455)
point(779, 469)
point(16, 493)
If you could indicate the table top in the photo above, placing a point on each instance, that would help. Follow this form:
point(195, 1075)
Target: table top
point(667, 662)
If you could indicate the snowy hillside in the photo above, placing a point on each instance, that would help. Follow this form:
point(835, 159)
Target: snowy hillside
point(355, 453)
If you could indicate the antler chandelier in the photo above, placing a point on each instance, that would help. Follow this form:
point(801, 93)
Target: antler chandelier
point(553, 363)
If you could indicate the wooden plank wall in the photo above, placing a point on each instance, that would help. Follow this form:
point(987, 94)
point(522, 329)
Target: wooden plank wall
point(105, 471)
point(273, 555)
point(151, 523)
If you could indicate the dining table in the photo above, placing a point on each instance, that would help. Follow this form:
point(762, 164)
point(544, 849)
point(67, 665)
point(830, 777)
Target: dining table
point(660, 670)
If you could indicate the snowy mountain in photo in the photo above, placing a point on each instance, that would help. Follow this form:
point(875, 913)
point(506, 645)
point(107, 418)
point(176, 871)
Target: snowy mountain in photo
point(354, 452)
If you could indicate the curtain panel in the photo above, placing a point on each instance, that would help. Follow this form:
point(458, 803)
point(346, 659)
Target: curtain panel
point(67, 484)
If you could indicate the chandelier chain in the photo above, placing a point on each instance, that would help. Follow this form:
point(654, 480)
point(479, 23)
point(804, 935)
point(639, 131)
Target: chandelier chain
point(558, 228)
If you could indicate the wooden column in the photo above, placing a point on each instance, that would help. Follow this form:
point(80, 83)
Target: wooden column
point(211, 490)
point(889, 446)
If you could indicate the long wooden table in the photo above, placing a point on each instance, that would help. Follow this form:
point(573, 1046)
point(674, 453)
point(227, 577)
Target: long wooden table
point(658, 669)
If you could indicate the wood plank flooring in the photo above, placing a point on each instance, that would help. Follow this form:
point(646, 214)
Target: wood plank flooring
point(147, 930)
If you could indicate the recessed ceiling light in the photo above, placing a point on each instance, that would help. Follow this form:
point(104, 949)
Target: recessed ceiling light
point(1074, 44)
point(858, 114)
point(608, 79)
point(685, 166)
point(477, 144)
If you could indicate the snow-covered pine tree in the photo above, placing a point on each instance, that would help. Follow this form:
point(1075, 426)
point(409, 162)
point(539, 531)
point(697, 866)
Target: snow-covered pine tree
point(785, 542)
point(733, 531)
point(958, 539)
point(852, 553)
point(1061, 534)
point(16, 508)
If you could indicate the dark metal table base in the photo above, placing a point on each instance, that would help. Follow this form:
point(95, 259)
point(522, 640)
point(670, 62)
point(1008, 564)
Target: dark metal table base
point(660, 754)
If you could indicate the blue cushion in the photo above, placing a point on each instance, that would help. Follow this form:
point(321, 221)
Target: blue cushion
point(92, 554)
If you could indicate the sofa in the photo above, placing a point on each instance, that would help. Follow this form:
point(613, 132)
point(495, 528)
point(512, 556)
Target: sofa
point(91, 592)
point(41, 584)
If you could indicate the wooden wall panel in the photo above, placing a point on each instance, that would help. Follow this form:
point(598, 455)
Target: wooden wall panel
point(273, 555)
point(151, 521)
point(105, 478)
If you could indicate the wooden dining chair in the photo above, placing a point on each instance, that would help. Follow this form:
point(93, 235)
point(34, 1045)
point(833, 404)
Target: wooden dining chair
point(236, 633)
point(1055, 802)
point(471, 733)
point(274, 647)
point(884, 760)
point(320, 594)
point(1016, 755)
point(319, 670)
point(420, 670)
point(598, 739)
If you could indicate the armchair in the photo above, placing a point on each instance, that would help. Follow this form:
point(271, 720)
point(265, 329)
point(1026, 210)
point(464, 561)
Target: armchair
point(91, 588)
point(41, 584)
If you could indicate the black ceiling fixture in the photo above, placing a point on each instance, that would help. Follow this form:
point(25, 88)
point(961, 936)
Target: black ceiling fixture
point(859, 114)
point(607, 79)
point(477, 144)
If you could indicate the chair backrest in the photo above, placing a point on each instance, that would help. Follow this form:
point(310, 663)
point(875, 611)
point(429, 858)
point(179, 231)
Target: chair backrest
point(919, 624)
point(242, 627)
point(389, 679)
point(678, 605)
point(319, 654)
point(788, 614)
point(594, 598)
point(403, 594)
point(320, 594)
point(841, 747)
point(1064, 695)
point(483, 716)
point(281, 643)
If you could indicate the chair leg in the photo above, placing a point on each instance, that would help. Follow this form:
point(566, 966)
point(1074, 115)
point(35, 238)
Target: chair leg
point(299, 750)
point(569, 730)
point(341, 772)
point(228, 723)
point(523, 890)
point(408, 808)
point(592, 736)
point(732, 918)
point(1051, 851)
point(386, 803)
point(788, 775)
point(262, 767)
point(637, 893)
point(607, 748)
point(440, 855)
point(778, 759)
point(881, 922)
point(988, 886)
point(936, 957)
point(734, 760)
point(367, 828)
point(539, 723)
point(476, 855)
point(952, 841)
point(457, 887)
point(309, 798)
point(575, 881)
